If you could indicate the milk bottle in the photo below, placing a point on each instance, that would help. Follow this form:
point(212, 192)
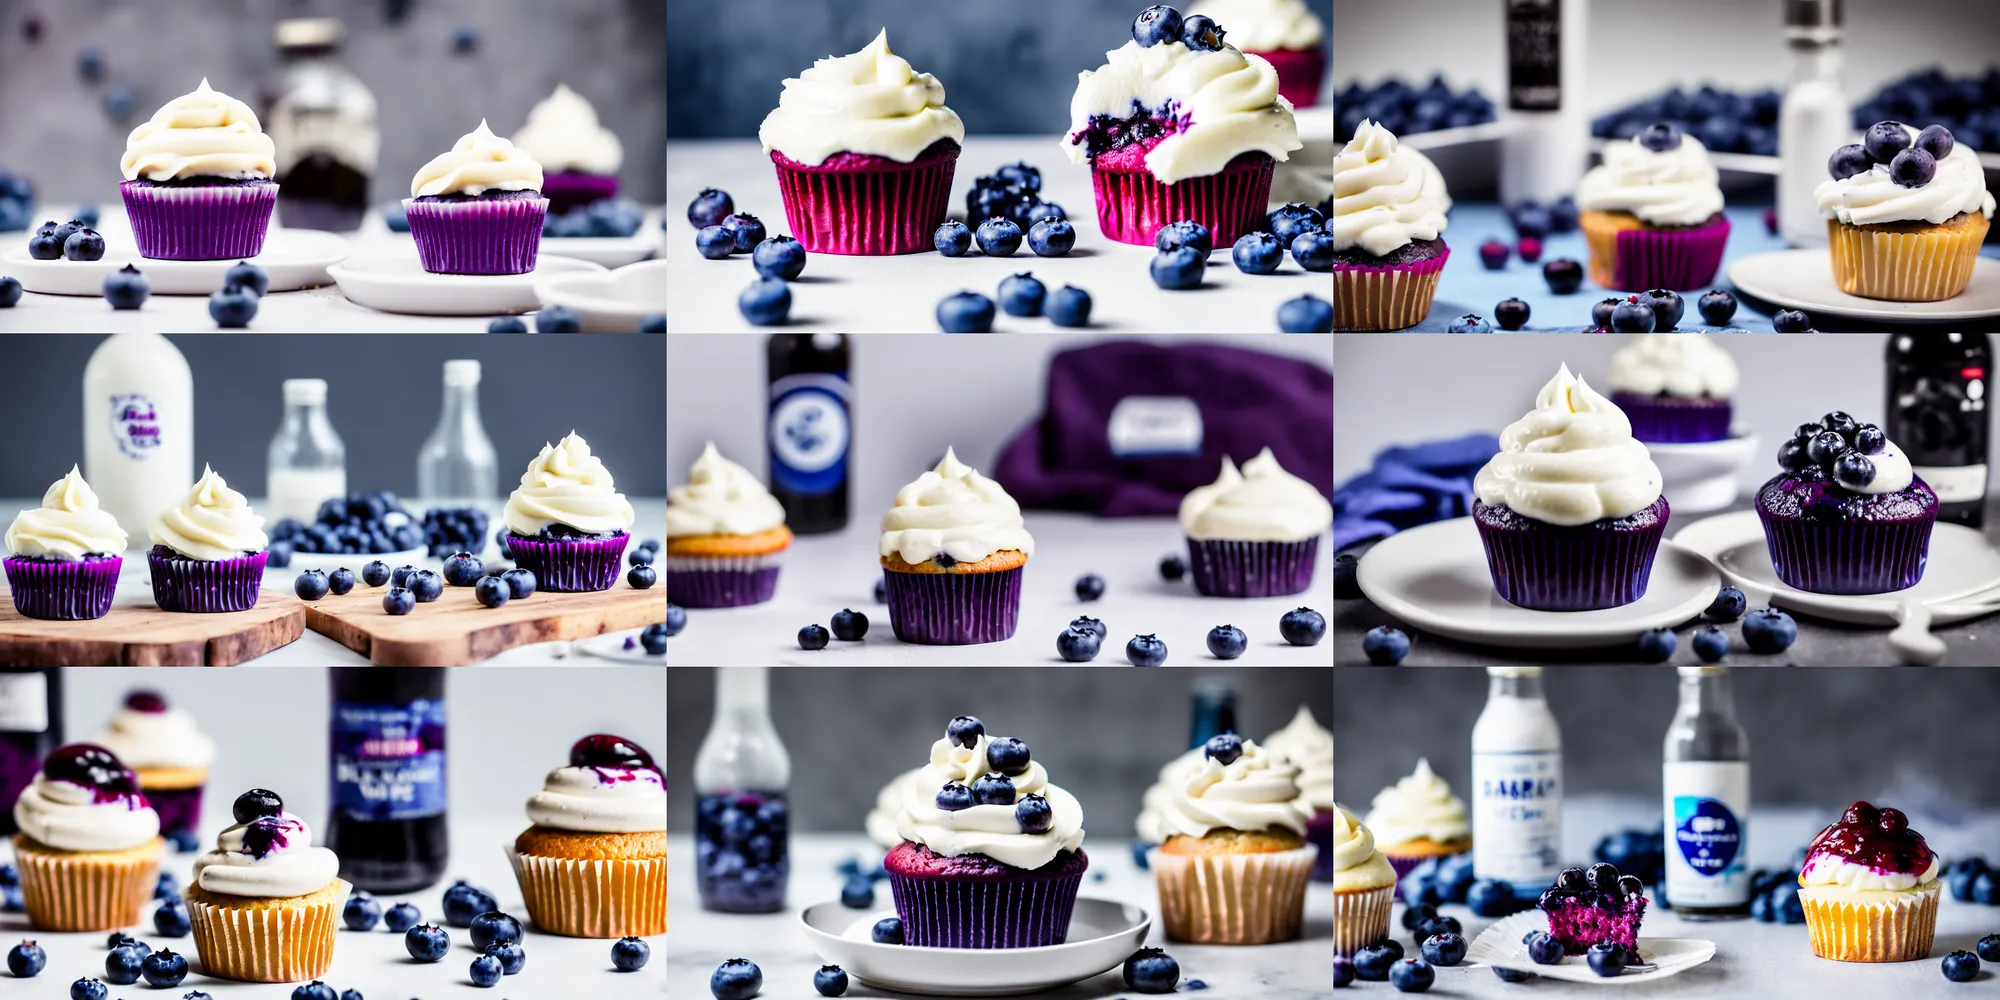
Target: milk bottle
point(138, 428)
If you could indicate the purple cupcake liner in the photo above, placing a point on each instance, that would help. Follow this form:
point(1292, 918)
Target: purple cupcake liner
point(199, 586)
point(1319, 832)
point(574, 189)
point(179, 809)
point(1678, 259)
point(1251, 569)
point(571, 565)
point(721, 581)
point(1674, 420)
point(1848, 557)
point(488, 235)
point(73, 591)
point(201, 222)
point(1547, 567)
point(954, 609)
point(949, 913)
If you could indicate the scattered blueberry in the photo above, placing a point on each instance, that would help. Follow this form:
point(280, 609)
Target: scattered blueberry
point(520, 582)
point(426, 942)
point(641, 577)
point(888, 930)
point(164, 969)
point(1633, 316)
point(87, 989)
point(1607, 958)
point(676, 619)
point(858, 893)
point(1179, 269)
point(1302, 627)
point(952, 238)
point(1717, 307)
point(715, 242)
point(1151, 970)
point(1022, 295)
point(10, 292)
point(1657, 645)
point(1314, 251)
point(1710, 644)
point(1511, 314)
point(999, 237)
point(127, 289)
point(1078, 645)
point(1146, 651)
point(1600, 314)
point(507, 324)
point(398, 601)
point(1343, 971)
point(1960, 966)
point(747, 229)
point(1227, 642)
point(486, 971)
point(1175, 235)
point(1544, 949)
point(1069, 306)
point(401, 917)
point(709, 208)
point(1412, 975)
point(1493, 254)
point(340, 581)
point(1306, 314)
point(1728, 605)
point(233, 307)
point(1089, 587)
point(849, 625)
point(1791, 321)
point(121, 965)
point(1385, 646)
point(1667, 308)
point(244, 274)
point(27, 959)
point(965, 312)
point(654, 638)
point(1346, 577)
point(1486, 898)
point(830, 981)
point(310, 586)
point(1988, 948)
point(361, 913)
point(766, 302)
point(779, 257)
point(1172, 567)
point(1769, 631)
point(1052, 237)
point(558, 319)
point(84, 244)
point(1257, 253)
point(1371, 963)
point(1469, 323)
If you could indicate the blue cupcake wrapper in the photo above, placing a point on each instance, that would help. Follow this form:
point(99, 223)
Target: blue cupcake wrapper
point(72, 591)
point(200, 586)
point(953, 609)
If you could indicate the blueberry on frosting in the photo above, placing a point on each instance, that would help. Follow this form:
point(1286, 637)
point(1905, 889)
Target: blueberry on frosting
point(993, 789)
point(602, 750)
point(255, 804)
point(1008, 756)
point(965, 731)
point(954, 797)
point(95, 768)
point(1033, 813)
point(1224, 748)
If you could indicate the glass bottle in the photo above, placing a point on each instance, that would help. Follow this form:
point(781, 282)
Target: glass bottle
point(1517, 784)
point(809, 434)
point(1544, 155)
point(138, 428)
point(1814, 118)
point(1705, 781)
point(457, 462)
point(323, 125)
point(742, 822)
point(1214, 711)
point(1938, 385)
point(386, 756)
point(307, 463)
point(31, 705)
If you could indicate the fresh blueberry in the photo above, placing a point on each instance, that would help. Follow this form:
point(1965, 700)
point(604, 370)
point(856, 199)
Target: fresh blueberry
point(127, 289)
point(1200, 33)
point(44, 245)
point(1544, 949)
point(1257, 253)
point(952, 238)
point(1884, 140)
point(1667, 308)
point(1008, 756)
point(310, 586)
point(1033, 815)
point(779, 257)
point(1960, 966)
point(1446, 948)
point(1717, 307)
point(513, 958)
point(164, 969)
point(1633, 316)
point(1912, 168)
point(955, 796)
point(1022, 295)
point(558, 319)
point(676, 619)
point(965, 312)
point(830, 981)
point(1223, 748)
point(1092, 625)
point(1791, 321)
point(1439, 925)
point(654, 639)
point(486, 971)
point(1385, 646)
point(1826, 447)
point(1493, 254)
point(1469, 323)
point(340, 581)
point(1487, 898)
point(1156, 25)
point(426, 942)
point(1854, 471)
point(1179, 269)
point(1412, 975)
point(1869, 439)
point(1151, 970)
point(507, 324)
point(766, 302)
point(1227, 642)
point(641, 577)
point(1511, 314)
point(849, 625)
point(425, 586)
point(27, 959)
point(401, 917)
point(1710, 644)
point(1172, 567)
point(1600, 314)
point(1146, 651)
point(1529, 248)
point(520, 582)
point(1089, 587)
point(247, 275)
point(999, 237)
point(361, 913)
point(709, 208)
point(1069, 306)
point(888, 930)
point(398, 601)
point(1175, 235)
point(813, 637)
point(1935, 140)
point(1346, 576)
point(119, 103)
point(1769, 631)
point(87, 989)
point(1051, 237)
point(1988, 948)
point(121, 964)
point(1302, 627)
point(1657, 645)
point(1306, 314)
point(10, 292)
point(1314, 251)
point(747, 229)
point(1660, 137)
point(1287, 222)
point(715, 242)
point(1371, 963)
point(964, 731)
point(84, 244)
point(1078, 645)
point(1727, 606)
point(494, 927)
point(857, 893)
point(1563, 275)
point(1607, 958)
point(1848, 161)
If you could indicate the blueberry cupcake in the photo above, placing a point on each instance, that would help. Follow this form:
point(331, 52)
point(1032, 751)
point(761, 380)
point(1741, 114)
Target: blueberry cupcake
point(1570, 511)
point(594, 862)
point(1364, 886)
point(198, 180)
point(726, 536)
point(478, 209)
point(1235, 864)
point(1284, 33)
point(170, 755)
point(1587, 907)
point(1847, 515)
point(1870, 888)
point(579, 157)
point(208, 551)
point(63, 557)
point(89, 847)
point(991, 854)
point(1389, 205)
point(1310, 747)
point(1652, 213)
point(1675, 388)
point(1906, 213)
point(1417, 819)
point(1254, 533)
point(567, 523)
point(264, 901)
point(953, 550)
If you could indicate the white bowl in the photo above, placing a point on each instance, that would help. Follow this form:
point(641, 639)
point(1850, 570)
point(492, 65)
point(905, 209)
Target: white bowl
point(609, 302)
point(1702, 476)
point(1102, 934)
point(395, 281)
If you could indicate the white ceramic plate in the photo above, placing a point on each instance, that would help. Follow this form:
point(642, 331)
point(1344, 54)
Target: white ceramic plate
point(611, 646)
point(1701, 476)
point(610, 251)
point(1803, 279)
point(609, 302)
point(1434, 577)
point(1102, 934)
point(294, 259)
point(1500, 945)
point(394, 281)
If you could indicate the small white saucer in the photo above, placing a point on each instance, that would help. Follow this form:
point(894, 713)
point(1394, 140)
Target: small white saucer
point(395, 281)
point(1434, 577)
point(1803, 279)
point(611, 302)
point(294, 259)
point(1102, 934)
point(1701, 476)
point(1500, 945)
point(610, 251)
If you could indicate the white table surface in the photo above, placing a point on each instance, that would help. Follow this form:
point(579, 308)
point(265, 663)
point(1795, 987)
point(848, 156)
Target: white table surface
point(824, 573)
point(376, 962)
point(1295, 970)
point(901, 293)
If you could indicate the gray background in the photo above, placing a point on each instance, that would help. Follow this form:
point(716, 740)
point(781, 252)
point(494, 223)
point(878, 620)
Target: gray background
point(1102, 734)
point(384, 394)
point(1007, 68)
point(57, 132)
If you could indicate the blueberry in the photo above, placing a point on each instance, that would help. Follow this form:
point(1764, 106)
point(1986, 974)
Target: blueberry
point(310, 586)
point(676, 619)
point(1512, 975)
point(1727, 606)
point(1884, 140)
point(361, 913)
point(1544, 949)
point(521, 582)
point(1078, 645)
point(641, 577)
point(87, 989)
point(121, 964)
point(425, 586)
point(463, 569)
point(1385, 646)
point(45, 246)
point(813, 637)
point(1008, 756)
point(1493, 254)
point(1791, 321)
point(766, 302)
point(1988, 948)
point(1151, 970)
point(426, 942)
point(1175, 235)
point(1314, 251)
point(1531, 219)
point(849, 625)
point(486, 971)
point(747, 229)
point(1033, 815)
point(888, 930)
point(1089, 587)
point(1607, 958)
point(1600, 314)
point(1848, 161)
point(1912, 168)
point(1529, 248)
point(1659, 138)
point(654, 638)
point(1439, 925)
point(1156, 25)
point(965, 312)
point(830, 981)
point(1022, 295)
point(512, 957)
point(779, 257)
point(164, 969)
point(1826, 447)
point(1869, 439)
point(952, 238)
point(401, 917)
point(1089, 624)
point(340, 581)
point(248, 276)
point(1200, 33)
point(1223, 748)
point(715, 242)
point(954, 797)
point(1227, 642)
point(1179, 269)
point(1960, 966)
point(1769, 631)
point(127, 289)
point(558, 319)
point(27, 959)
point(1937, 141)
point(1146, 651)
point(1667, 308)
point(1412, 975)
point(1257, 253)
point(1371, 963)
point(1302, 627)
point(1854, 471)
point(1710, 644)
point(1633, 316)
point(1469, 323)
point(1051, 237)
point(1487, 898)
point(1306, 314)
point(1046, 210)
point(709, 208)
point(171, 919)
point(84, 244)
point(255, 804)
point(999, 237)
point(1717, 307)
point(398, 601)
point(10, 292)
point(858, 893)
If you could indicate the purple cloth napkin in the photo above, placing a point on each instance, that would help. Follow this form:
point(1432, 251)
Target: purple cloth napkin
point(1086, 452)
point(1408, 486)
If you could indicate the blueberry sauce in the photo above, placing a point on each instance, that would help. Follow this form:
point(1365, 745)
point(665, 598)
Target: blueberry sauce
point(97, 769)
point(1879, 839)
point(266, 834)
point(1105, 134)
point(603, 750)
point(149, 702)
point(742, 858)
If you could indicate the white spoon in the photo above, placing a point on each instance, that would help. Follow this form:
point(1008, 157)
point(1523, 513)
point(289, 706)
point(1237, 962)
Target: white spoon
point(1912, 639)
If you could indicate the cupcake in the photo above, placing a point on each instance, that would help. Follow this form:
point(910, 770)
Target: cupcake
point(566, 522)
point(1906, 212)
point(479, 208)
point(953, 550)
point(579, 157)
point(264, 902)
point(1364, 886)
point(208, 550)
point(594, 864)
point(1417, 819)
point(170, 755)
point(881, 820)
point(1587, 907)
point(1179, 129)
point(1235, 863)
point(1674, 387)
point(1310, 746)
point(1389, 206)
point(89, 847)
point(1870, 888)
point(1254, 533)
point(865, 150)
point(991, 853)
point(1847, 515)
point(726, 536)
point(63, 557)
point(1652, 213)
point(198, 180)
point(1570, 510)
point(1284, 33)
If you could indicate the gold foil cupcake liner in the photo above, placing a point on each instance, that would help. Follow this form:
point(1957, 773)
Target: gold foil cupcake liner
point(610, 898)
point(1897, 930)
point(86, 891)
point(1376, 299)
point(267, 943)
point(1239, 898)
point(1906, 267)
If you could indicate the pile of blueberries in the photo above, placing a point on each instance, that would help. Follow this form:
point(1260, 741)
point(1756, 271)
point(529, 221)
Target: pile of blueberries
point(360, 524)
point(496, 936)
point(17, 201)
point(1911, 163)
point(722, 231)
point(1405, 110)
point(1969, 106)
point(1836, 449)
point(1438, 881)
point(1148, 970)
point(1765, 631)
point(1640, 853)
point(614, 218)
point(1725, 121)
point(1013, 193)
point(72, 240)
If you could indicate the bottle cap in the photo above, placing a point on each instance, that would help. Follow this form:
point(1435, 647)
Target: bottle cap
point(1514, 671)
point(461, 372)
point(309, 33)
point(1814, 13)
point(305, 391)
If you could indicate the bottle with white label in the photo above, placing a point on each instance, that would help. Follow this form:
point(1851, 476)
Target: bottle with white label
point(1517, 784)
point(1706, 787)
point(1543, 156)
point(307, 463)
point(138, 428)
point(1814, 118)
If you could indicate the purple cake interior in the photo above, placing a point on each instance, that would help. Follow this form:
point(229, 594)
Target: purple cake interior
point(1587, 908)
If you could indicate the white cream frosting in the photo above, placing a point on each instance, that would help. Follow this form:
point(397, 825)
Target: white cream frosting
point(721, 498)
point(1418, 807)
point(294, 868)
point(991, 830)
point(1356, 863)
point(480, 162)
point(1684, 365)
point(1259, 790)
point(566, 484)
point(203, 134)
point(1264, 25)
point(563, 133)
point(1385, 194)
point(1571, 460)
point(1825, 869)
point(872, 103)
point(68, 817)
point(1676, 187)
point(1870, 198)
point(1262, 503)
point(953, 510)
point(601, 800)
point(1227, 104)
point(1310, 746)
point(1151, 826)
point(1892, 471)
point(881, 820)
point(158, 739)
point(68, 525)
point(212, 523)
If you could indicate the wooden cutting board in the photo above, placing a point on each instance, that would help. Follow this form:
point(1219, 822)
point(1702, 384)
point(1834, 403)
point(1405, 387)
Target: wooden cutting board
point(141, 635)
point(456, 629)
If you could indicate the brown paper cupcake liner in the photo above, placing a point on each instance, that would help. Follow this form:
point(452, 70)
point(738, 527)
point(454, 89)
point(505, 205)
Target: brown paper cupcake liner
point(1905, 267)
point(1239, 898)
point(266, 944)
point(594, 899)
point(86, 891)
point(1898, 930)
point(1361, 918)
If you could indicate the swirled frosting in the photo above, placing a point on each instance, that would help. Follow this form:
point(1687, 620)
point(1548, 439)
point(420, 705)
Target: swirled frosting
point(1218, 106)
point(562, 133)
point(1357, 864)
point(1571, 460)
point(68, 525)
point(721, 498)
point(991, 830)
point(270, 857)
point(1385, 194)
point(203, 134)
point(566, 484)
point(1870, 198)
point(1419, 807)
point(1674, 187)
point(871, 102)
point(480, 162)
point(1262, 503)
point(1264, 25)
point(166, 738)
point(70, 817)
point(1686, 365)
point(881, 820)
point(601, 800)
point(1151, 827)
point(955, 511)
point(1259, 790)
point(1826, 869)
point(212, 523)
point(1310, 746)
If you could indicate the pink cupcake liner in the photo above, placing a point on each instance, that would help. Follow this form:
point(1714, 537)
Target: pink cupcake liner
point(721, 581)
point(868, 205)
point(1133, 206)
point(1547, 567)
point(179, 809)
point(1848, 557)
point(571, 565)
point(1673, 420)
point(575, 189)
point(201, 586)
point(1299, 73)
point(212, 222)
point(1024, 909)
point(1678, 259)
point(954, 609)
point(1251, 569)
point(496, 235)
point(73, 591)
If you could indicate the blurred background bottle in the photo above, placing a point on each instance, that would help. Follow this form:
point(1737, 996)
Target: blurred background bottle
point(742, 822)
point(1214, 711)
point(138, 428)
point(1937, 392)
point(1705, 777)
point(1517, 784)
point(30, 727)
point(307, 463)
point(324, 127)
point(386, 743)
point(1814, 118)
point(1543, 157)
point(809, 433)
point(457, 461)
